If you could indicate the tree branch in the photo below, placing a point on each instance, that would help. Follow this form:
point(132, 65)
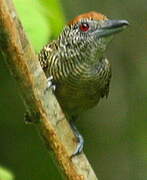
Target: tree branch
point(25, 68)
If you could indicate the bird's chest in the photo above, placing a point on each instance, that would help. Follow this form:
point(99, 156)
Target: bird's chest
point(82, 77)
point(81, 89)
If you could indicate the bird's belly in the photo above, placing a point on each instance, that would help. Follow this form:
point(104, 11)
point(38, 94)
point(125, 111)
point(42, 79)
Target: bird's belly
point(76, 100)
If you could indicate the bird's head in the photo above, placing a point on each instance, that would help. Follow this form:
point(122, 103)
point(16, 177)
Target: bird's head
point(91, 30)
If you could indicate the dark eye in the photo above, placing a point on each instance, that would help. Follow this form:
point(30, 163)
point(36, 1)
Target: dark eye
point(84, 27)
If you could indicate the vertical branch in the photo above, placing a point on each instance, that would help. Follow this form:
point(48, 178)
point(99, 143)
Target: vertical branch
point(24, 66)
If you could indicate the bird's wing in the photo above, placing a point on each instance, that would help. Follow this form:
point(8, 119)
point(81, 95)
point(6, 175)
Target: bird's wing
point(105, 91)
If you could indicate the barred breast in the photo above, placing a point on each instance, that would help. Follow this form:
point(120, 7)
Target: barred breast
point(79, 86)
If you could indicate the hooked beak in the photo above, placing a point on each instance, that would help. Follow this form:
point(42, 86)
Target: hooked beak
point(111, 27)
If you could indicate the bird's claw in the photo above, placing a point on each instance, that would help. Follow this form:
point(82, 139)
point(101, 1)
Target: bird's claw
point(27, 118)
point(30, 118)
point(80, 140)
point(50, 84)
point(80, 145)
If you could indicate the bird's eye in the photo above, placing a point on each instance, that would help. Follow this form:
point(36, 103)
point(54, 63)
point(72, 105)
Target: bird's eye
point(84, 27)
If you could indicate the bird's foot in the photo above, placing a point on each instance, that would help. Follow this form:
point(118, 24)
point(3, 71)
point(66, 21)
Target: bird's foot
point(29, 118)
point(80, 145)
point(50, 84)
point(80, 140)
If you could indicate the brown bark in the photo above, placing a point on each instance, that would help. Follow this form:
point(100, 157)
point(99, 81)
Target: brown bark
point(25, 68)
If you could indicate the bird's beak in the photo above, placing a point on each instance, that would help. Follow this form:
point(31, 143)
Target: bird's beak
point(111, 27)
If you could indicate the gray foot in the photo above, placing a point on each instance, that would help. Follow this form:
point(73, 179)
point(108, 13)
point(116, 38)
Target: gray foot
point(80, 140)
point(50, 84)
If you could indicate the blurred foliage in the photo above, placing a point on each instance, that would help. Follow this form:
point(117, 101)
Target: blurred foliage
point(5, 174)
point(115, 131)
point(42, 20)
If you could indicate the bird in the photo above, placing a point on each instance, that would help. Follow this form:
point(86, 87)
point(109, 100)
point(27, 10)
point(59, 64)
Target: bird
point(76, 64)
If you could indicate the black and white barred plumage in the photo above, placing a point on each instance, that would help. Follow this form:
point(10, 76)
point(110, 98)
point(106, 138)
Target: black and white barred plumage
point(77, 62)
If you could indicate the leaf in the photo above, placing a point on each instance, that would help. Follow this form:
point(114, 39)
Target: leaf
point(41, 20)
point(5, 174)
point(53, 11)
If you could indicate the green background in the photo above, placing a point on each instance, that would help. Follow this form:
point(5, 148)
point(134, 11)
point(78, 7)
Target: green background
point(115, 131)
